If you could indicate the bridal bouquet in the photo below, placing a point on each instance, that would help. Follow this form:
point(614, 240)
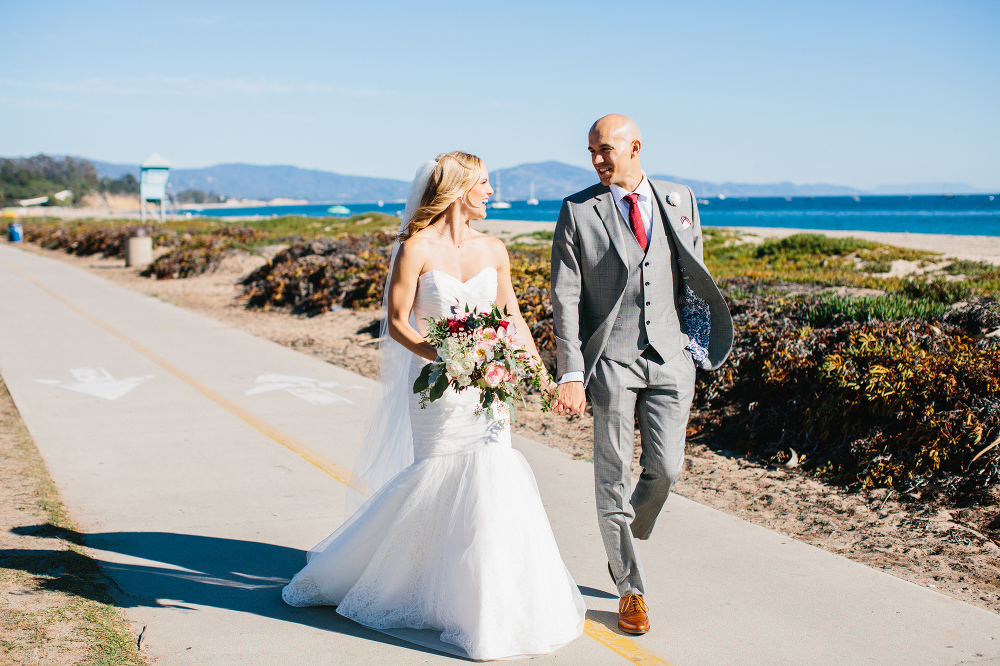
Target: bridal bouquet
point(481, 349)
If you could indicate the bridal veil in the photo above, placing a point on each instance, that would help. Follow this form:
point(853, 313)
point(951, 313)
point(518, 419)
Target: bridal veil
point(388, 439)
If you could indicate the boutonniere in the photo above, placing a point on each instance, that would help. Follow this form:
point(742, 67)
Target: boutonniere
point(674, 199)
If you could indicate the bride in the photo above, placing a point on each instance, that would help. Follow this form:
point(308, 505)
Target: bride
point(450, 547)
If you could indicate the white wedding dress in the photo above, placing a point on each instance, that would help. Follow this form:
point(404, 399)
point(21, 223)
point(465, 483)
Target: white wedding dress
point(455, 552)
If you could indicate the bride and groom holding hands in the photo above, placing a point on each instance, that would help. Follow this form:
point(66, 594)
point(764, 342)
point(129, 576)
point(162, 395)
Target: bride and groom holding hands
point(447, 544)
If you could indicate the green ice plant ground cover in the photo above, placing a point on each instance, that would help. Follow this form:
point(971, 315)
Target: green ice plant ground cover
point(897, 386)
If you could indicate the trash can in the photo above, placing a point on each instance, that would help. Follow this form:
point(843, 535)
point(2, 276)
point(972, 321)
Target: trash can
point(139, 249)
point(15, 232)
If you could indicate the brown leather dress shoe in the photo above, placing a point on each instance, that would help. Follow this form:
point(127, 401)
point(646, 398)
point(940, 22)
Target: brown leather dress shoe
point(632, 615)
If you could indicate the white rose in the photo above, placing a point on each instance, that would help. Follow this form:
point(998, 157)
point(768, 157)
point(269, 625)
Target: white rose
point(674, 199)
point(467, 367)
point(454, 368)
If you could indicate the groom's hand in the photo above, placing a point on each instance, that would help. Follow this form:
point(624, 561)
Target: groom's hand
point(571, 398)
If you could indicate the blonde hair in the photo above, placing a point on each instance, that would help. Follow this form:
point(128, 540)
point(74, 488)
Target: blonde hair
point(455, 174)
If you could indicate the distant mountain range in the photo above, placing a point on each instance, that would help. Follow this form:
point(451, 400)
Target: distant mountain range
point(249, 181)
point(552, 180)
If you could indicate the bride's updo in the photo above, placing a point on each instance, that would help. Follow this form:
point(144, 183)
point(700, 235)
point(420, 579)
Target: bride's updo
point(455, 174)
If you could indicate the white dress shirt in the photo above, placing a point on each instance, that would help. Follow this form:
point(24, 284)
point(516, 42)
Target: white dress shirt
point(645, 192)
point(645, 203)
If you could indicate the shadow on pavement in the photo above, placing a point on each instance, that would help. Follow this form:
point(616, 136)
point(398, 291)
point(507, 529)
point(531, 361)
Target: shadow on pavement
point(607, 618)
point(594, 592)
point(186, 571)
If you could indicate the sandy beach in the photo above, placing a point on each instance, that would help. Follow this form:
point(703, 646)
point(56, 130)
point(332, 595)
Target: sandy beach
point(975, 248)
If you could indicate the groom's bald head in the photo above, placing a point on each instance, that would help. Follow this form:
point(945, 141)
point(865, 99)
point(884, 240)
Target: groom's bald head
point(616, 125)
point(615, 142)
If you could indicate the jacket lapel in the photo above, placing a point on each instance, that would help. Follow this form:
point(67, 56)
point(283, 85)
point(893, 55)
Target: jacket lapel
point(605, 208)
point(673, 217)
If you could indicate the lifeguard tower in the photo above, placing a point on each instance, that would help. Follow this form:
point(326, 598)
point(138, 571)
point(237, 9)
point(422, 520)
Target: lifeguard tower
point(153, 184)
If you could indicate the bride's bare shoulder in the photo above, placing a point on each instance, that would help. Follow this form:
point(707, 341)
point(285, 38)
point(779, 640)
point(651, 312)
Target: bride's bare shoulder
point(413, 253)
point(498, 251)
point(492, 242)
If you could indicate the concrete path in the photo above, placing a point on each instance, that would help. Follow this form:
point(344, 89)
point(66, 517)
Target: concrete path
point(201, 478)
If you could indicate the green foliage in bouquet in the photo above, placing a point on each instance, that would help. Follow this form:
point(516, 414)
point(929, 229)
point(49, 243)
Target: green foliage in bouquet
point(478, 349)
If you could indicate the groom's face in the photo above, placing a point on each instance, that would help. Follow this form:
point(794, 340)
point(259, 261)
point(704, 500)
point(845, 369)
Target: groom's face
point(613, 156)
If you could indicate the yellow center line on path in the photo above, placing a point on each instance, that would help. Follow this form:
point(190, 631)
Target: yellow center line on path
point(322, 462)
point(623, 645)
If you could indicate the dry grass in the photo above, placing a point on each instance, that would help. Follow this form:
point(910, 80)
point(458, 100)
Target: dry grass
point(54, 603)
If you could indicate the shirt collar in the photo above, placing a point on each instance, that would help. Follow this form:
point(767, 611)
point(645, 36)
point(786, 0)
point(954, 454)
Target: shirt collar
point(643, 189)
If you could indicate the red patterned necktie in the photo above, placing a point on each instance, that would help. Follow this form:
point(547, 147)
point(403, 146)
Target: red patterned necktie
point(635, 219)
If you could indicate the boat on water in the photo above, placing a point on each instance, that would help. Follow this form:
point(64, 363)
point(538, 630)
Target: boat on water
point(499, 202)
point(721, 197)
point(338, 210)
point(532, 201)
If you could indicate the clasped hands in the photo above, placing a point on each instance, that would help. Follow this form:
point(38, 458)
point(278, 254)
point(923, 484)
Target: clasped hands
point(570, 398)
point(567, 398)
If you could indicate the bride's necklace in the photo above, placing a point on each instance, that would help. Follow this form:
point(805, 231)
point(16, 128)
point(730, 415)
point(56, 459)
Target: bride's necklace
point(459, 243)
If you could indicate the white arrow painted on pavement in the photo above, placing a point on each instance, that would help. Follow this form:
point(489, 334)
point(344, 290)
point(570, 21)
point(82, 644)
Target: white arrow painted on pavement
point(313, 391)
point(98, 382)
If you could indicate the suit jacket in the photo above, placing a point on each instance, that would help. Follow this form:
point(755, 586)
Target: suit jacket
point(590, 269)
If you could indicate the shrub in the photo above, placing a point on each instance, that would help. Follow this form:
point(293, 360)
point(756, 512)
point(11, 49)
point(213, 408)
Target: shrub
point(943, 291)
point(312, 277)
point(872, 403)
point(202, 252)
point(84, 239)
point(812, 244)
point(885, 308)
point(967, 267)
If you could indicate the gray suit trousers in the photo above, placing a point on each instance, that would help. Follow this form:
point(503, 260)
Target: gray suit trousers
point(660, 393)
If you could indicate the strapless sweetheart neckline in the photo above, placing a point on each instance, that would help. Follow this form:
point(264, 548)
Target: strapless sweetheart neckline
point(488, 268)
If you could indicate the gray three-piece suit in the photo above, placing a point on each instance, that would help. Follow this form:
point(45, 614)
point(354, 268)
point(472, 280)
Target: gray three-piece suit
point(617, 319)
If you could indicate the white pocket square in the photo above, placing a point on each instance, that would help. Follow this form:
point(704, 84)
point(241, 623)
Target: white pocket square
point(685, 223)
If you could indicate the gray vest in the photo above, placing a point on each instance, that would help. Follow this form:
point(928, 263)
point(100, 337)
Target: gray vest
point(648, 313)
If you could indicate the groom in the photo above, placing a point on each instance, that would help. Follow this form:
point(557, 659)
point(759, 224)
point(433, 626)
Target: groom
point(634, 310)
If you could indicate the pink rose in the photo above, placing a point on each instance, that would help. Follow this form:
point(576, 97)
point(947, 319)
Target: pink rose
point(489, 336)
point(495, 375)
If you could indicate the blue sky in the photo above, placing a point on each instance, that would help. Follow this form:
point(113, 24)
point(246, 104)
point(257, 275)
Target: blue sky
point(852, 93)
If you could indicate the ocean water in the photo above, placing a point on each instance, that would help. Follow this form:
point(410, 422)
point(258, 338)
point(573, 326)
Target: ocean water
point(976, 214)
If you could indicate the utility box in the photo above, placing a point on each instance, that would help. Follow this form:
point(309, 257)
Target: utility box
point(139, 248)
